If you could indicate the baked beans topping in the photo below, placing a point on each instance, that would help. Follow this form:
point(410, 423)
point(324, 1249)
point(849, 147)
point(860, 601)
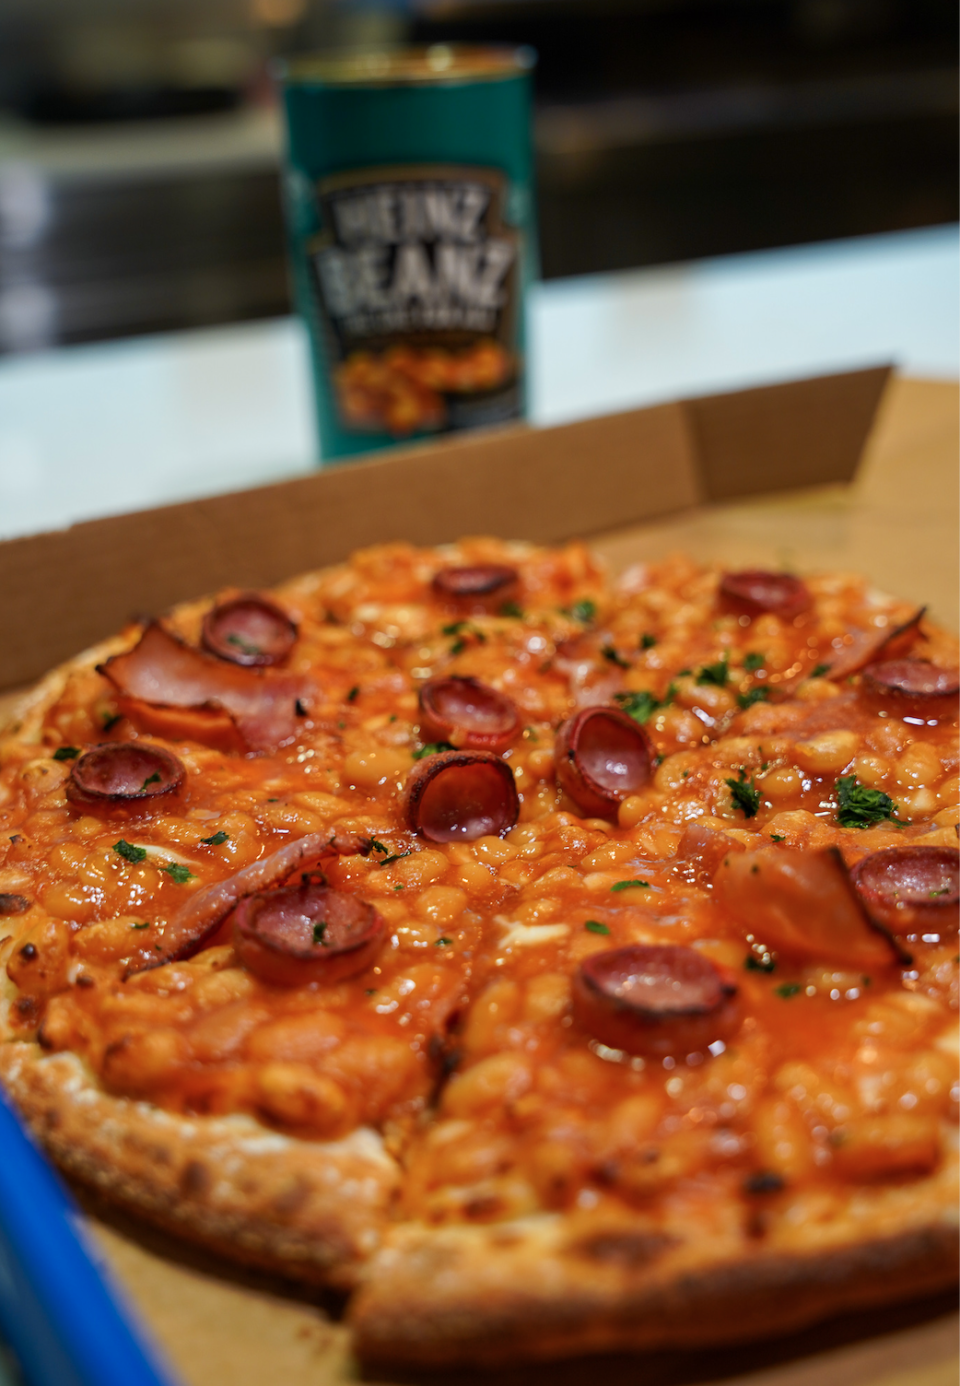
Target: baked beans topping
point(168, 685)
point(307, 933)
point(801, 904)
point(657, 999)
point(913, 679)
point(122, 771)
point(756, 590)
point(478, 587)
point(460, 796)
point(602, 756)
point(250, 630)
point(468, 714)
point(911, 890)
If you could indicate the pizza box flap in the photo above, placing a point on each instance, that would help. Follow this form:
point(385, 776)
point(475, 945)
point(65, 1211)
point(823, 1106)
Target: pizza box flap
point(68, 589)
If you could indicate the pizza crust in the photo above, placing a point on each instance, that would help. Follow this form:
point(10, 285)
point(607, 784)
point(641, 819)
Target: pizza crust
point(312, 1210)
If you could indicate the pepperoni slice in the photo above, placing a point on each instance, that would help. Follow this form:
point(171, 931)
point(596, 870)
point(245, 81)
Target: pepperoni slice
point(478, 588)
point(655, 999)
point(755, 590)
point(911, 682)
point(306, 933)
point(458, 796)
point(911, 889)
point(249, 630)
point(601, 757)
point(121, 771)
point(468, 714)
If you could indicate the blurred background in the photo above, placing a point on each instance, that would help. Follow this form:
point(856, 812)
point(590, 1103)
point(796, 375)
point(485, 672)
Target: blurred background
point(139, 141)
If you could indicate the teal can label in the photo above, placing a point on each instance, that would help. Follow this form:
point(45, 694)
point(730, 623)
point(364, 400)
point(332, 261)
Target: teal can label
point(411, 274)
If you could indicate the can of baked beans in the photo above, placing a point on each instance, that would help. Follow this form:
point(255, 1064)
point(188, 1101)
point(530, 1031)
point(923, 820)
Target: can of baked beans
point(409, 205)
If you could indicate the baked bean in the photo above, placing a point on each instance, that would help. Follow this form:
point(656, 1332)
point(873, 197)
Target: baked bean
point(493, 1081)
point(830, 752)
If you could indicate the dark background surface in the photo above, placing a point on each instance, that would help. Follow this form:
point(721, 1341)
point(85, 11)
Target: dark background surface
point(666, 130)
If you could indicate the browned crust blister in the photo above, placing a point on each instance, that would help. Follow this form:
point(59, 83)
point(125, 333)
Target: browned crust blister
point(311, 1210)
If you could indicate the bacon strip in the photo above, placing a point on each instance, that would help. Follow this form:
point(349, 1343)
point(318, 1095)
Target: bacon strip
point(204, 912)
point(164, 673)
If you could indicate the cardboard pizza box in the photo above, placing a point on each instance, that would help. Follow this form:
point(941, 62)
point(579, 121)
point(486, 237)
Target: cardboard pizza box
point(849, 471)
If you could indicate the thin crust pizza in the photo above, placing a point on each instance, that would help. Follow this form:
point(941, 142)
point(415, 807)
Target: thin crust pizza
point(556, 965)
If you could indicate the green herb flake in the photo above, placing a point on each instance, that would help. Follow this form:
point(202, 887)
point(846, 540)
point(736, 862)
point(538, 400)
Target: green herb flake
point(66, 753)
point(614, 657)
point(141, 926)
point(397, 856)
point(129, 852)
point(318, 932)
point(151, 779)
point(245, 646)
point(584, 611)
point(819, 671)
point(458, 647)
point(788, 989)
point(753, 661)
point(715, 674)
point(631, 885)
point(512, 609)
point(443, 942)
point(759, 963)
point(777, 837)
point(944, 890)
point(353, 694)
point(647, 641)
point(110, 720)
point(866, 981)
point(593, 926)
point(641, 706)
point(217, 840)
point(860, 807)
point(745, 794)
point(378, 846)
point(432, 748)
point(753, 695)
point(178, 874)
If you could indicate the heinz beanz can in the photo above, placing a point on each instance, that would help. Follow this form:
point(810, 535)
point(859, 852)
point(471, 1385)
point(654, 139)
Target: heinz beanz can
point(409, 206)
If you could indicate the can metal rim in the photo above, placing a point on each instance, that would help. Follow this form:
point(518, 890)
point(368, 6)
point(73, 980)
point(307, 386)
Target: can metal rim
point(436, 64)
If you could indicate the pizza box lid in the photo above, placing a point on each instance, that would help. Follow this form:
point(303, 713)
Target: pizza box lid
point(756, 477)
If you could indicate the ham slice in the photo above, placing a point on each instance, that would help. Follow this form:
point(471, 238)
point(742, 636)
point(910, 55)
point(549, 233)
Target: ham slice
point(176, 690)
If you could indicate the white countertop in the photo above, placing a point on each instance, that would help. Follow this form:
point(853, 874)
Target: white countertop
point(96, 430)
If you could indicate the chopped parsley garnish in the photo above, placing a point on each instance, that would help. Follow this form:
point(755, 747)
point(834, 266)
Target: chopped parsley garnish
point(397, 856)
point(443, 942)
point(759, 963)
point(944, 890)
point(66, 753)
point(715, 674)
point(318, 932)
point(512, 609)
point(753, 695)
point(647, 641)
point(593, 926)
point(583, 611)
point(462, 629)
point(615, 657)
point(151, 779)
point(641, 706)
point(216, 840)
point(378, 846)
point(777, 837)
point(745, 794)
point(819, 671)
point(110, 720)
point(753, 661)
point(432, 748)
point(178, 873)
point(630, 885)
point(129, 852)
point(141, 926)
point(354, 693)
point(245, 646)
point(860, 807)
point(788, 989)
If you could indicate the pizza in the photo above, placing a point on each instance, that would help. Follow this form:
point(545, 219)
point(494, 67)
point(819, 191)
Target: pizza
point(553, 964)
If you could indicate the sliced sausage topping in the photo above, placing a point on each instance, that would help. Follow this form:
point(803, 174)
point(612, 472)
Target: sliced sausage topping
point(755, 590)
point(480, 587)
point(468, 714)
point(910, 680)
point(866, 645)
point(655, 999)
point(601, 757)
point(306, 933)
point(802, 904)
point(911, 889)
point(458, 796)
point(121, 771)
point(249, 630)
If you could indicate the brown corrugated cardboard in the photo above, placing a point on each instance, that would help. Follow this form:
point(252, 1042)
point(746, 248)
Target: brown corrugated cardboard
point(660, 466)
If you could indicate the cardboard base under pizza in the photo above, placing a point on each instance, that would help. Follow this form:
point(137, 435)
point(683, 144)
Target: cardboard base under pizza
point(761, 478)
